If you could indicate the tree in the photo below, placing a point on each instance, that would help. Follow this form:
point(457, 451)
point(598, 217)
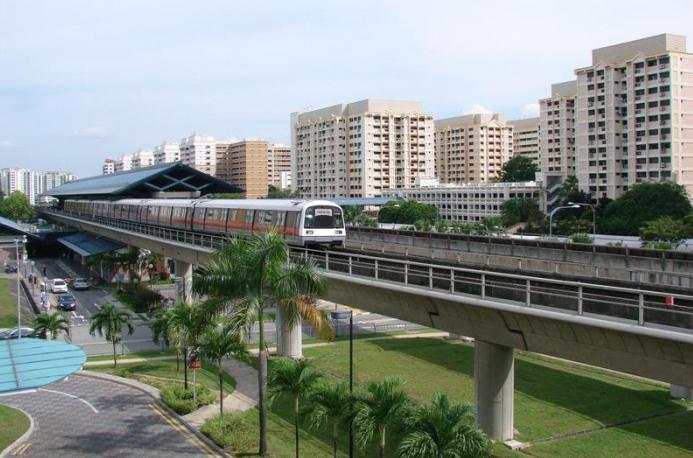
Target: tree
point(442, 430)
point(274, 193)
point(216, 345)
point(519, 168)
point(163, 330)
point(51, 323)
point(441, 227)
point(294, 378)
point(521, 209)
point(645, 202)
point(109, 322)
point(490, 225)
point(381, 407)
point(16, 207)
point(331, 402)
point(352, 213)
point(249, 275)
point(664, 229)
point(407, 212)
point(188, 322)
point(570, 192)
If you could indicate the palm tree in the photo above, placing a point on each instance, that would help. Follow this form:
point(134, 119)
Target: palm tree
point(442, 430)
point(163, 330)
point(109, 322)
point(216, 345)
point(352, 213)
point(187, 322)
point(381, 407)
point(51, 323)
point(331, 403)
point(247, 276)
point(296, 379)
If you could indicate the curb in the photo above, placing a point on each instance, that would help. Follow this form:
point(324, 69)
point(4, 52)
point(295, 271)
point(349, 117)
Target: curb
point(154, 394)
point(21, 438)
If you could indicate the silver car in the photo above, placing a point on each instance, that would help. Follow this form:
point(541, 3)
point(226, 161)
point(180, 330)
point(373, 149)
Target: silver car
point(57, 285)
point(81, 283)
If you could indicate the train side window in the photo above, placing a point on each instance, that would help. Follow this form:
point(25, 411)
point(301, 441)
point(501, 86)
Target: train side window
point(249, 218)
point(292, 219)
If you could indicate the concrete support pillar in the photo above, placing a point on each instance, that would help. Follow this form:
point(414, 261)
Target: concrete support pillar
point(184, 271)
point(289, 338)
point(494, 378)
point(681, 392)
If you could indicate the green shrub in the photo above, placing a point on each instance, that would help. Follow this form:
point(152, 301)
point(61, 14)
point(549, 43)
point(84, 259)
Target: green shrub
point(659, 245)
point(139, 298)
point(181, 400)
point(581, 238)
point(234, 432)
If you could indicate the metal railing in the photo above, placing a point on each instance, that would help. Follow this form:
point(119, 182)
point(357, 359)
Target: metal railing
point(639, 306)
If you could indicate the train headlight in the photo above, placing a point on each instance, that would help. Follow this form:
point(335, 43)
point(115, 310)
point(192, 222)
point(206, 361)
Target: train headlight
point(339, 231)
point(309, 232)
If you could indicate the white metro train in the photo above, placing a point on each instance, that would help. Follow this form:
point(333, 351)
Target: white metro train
point(301, 222)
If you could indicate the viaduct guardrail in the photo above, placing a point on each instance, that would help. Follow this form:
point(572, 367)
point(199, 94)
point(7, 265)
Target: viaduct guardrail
point(640, 307)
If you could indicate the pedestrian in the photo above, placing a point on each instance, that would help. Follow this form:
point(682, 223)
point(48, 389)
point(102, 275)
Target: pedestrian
point(44, 271)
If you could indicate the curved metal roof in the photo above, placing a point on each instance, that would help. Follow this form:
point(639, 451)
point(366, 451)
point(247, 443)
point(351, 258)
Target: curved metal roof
point(171, 177)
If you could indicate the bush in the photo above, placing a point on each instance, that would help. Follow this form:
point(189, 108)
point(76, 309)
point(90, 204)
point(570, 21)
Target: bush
point(581, 238)
point(658, 245)
point(181, 400)
point(234, 432)
point(139, 298)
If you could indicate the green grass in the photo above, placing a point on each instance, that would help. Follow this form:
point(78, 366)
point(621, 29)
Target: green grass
point(163, 373)
point(142, 354)
point(13, 424)
point(8, 305)
point(670, 437)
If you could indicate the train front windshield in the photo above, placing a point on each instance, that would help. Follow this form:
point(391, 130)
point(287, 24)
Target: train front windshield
point(323, 218)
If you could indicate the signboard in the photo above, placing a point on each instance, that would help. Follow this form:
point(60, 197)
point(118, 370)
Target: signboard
point(194, 358)
point(323, 212)
point(194, 364)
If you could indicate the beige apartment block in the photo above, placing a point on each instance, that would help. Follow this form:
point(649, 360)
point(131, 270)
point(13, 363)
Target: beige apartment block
point(244, 164)
point(199, 152)
point(472, 148)
point(526, 139)
point(278, 161)
point(557, 131)
point(360, 149)
point(634, 116)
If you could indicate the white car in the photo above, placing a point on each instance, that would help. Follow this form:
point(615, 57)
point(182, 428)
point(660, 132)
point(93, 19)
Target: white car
point(80, 283)
point(58, 285)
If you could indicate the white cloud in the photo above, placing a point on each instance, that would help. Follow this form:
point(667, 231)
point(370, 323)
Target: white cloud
point(5, 143)
point(93, 132)
point(478, 108)
point(530, 110)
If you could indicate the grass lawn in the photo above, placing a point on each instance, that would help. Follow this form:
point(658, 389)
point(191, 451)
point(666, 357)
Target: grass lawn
point(8, 305)
point(142, 354)
point(13, 424)
point(162, 373)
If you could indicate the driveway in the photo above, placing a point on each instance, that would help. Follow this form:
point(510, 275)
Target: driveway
point(84, 416)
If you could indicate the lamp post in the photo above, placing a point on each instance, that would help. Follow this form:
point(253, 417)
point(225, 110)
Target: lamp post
point(554, 212)
point(19, 306)
point(594, 214)
point(336, 315)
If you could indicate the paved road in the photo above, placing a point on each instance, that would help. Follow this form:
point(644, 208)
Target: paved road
point(83, 416)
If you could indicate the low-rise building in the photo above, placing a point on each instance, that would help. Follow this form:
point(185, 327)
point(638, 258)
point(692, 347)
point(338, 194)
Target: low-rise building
point(468, 202)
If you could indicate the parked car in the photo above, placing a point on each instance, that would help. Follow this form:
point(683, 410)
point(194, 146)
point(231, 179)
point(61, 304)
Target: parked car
point(10, 269)
point(66, 302)
point(13, 333)
point(81, 283)
point(57, 285)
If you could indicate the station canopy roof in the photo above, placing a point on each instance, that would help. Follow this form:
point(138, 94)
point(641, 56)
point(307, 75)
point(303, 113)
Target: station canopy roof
point(144, 183)
point(87, 245)
point(362, 201)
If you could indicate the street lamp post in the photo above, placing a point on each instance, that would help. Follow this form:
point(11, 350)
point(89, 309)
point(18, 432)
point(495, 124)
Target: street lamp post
point(554, 212)
point(594, 215)
point(351, 378)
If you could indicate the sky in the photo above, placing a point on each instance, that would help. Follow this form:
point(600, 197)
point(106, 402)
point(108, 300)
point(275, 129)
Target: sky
point(85, 80)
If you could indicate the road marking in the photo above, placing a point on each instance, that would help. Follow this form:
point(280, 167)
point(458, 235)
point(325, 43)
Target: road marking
point(21, 448)
point(12, 393)
point(73, 397)
point(173, 423)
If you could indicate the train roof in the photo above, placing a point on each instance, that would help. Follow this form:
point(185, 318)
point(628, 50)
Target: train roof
point(253, 204)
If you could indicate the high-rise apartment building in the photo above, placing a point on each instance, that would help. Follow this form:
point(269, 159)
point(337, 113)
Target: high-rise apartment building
point(557, 131)
point(634, 116)
point(244, 164)
point(124, 163)
point(360, 149)
point(166, 153)
point(199, 152)
point(472, 148)
point(278, 161)
point(142, 158)
point(109, 167)
point(31, 183)
point(526, 139)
